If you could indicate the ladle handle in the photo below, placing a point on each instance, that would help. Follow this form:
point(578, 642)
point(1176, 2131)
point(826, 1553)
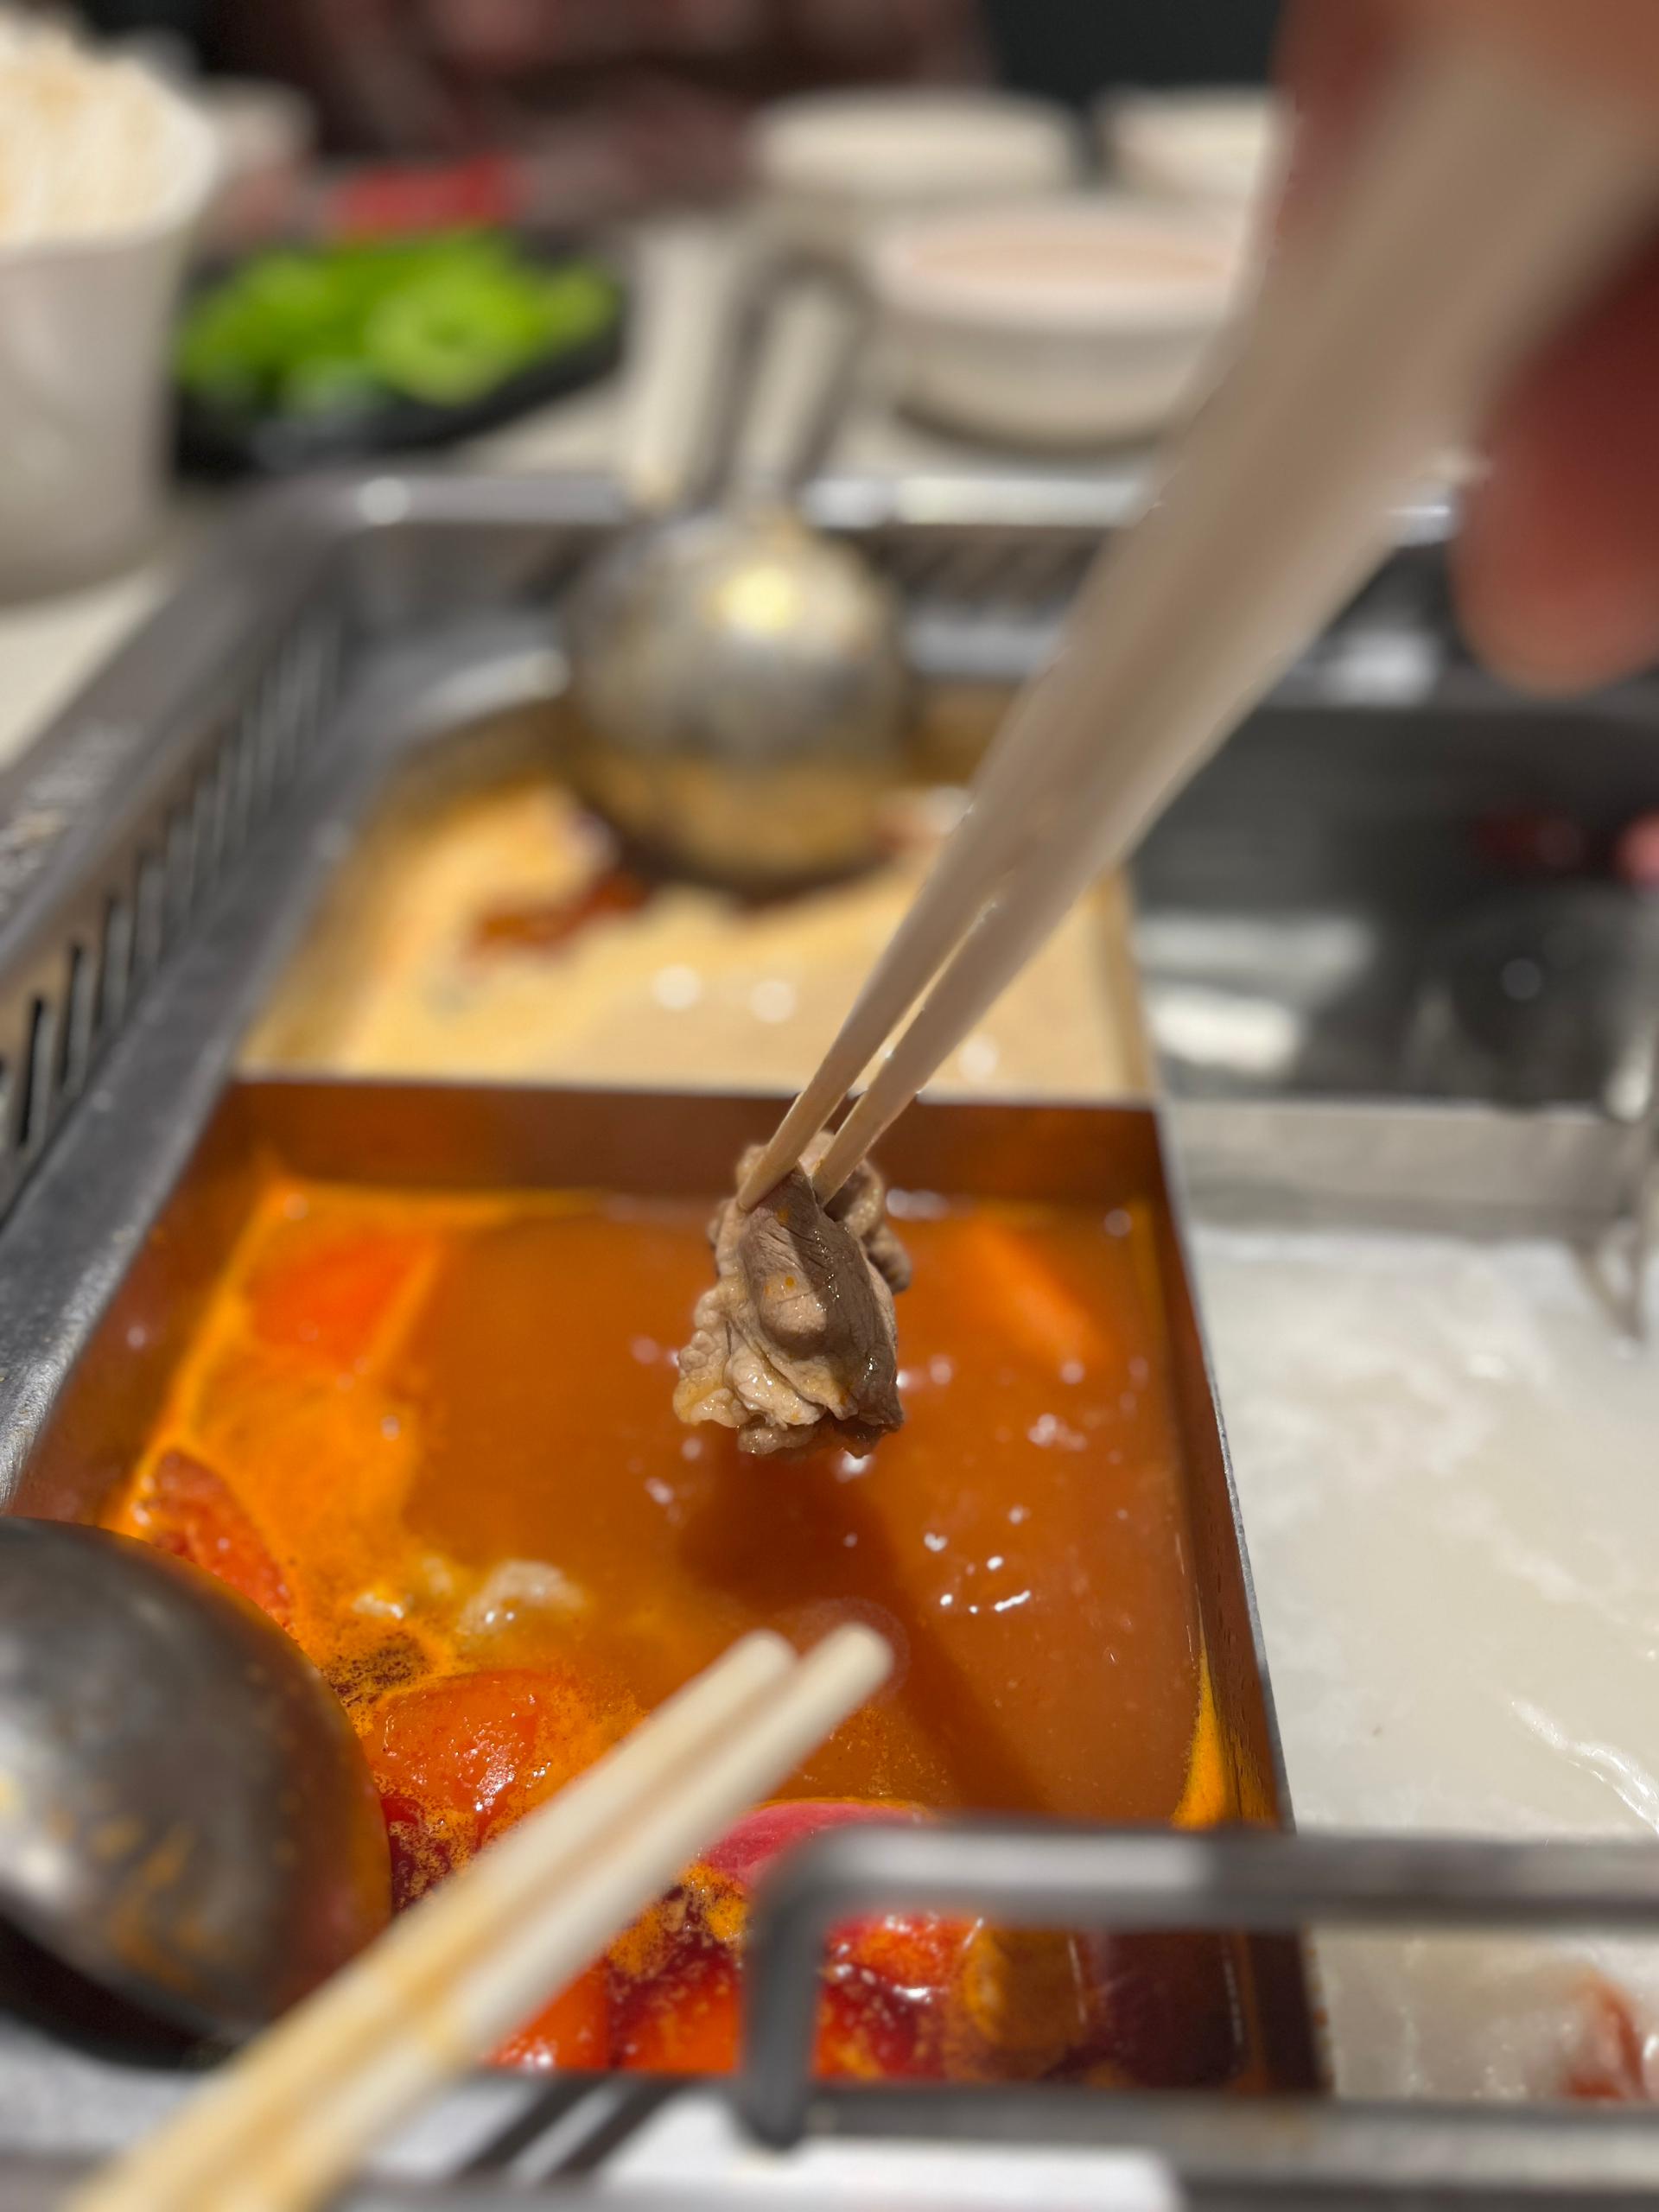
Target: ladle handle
point(692, 283)
point(810, 331)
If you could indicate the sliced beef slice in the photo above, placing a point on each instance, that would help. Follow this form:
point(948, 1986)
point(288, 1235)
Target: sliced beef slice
point(796, 1340)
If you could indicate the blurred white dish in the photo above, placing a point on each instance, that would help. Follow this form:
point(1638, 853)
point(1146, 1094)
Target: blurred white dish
point(831, 166)
point(266, 134)
point(89, 272)
point(1064, 322)
point(1222, 148)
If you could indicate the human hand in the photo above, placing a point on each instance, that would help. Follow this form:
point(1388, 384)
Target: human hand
point(1557, 566)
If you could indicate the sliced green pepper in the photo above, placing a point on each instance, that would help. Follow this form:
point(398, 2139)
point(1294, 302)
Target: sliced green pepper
point(442, 320)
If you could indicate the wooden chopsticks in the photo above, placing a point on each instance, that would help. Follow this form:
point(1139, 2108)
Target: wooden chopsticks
point(288, 2119)
point(1485, 204)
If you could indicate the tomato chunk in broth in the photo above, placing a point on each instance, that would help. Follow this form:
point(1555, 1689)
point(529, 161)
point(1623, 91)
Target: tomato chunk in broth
point(433, 1437)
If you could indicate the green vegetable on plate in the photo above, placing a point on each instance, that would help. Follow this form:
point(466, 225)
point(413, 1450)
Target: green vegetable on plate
point(440, 321)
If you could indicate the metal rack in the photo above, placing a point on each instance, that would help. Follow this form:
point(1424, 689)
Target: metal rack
point(164, 845)
point(773, 2138)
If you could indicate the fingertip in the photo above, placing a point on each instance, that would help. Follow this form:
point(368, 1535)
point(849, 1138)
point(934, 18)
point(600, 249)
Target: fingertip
point(1556, 568)
point(1542, 616)
point(1557, 664)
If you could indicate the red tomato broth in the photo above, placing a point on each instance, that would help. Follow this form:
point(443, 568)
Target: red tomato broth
point(394, 1396)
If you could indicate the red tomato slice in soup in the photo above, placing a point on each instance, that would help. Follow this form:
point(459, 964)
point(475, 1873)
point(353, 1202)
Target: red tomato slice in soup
point(189, 1510)
point(763, 1835)
point(473, 1753)
point(685, 2018)
point(330, 1295)
point(420, 1855)
point(888, 1982)
point(892, 1991)
point(572, 2034)
point(456, 1762)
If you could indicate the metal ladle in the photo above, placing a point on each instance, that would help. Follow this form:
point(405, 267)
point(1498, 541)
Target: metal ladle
point(740, 677)
point(185, 1817)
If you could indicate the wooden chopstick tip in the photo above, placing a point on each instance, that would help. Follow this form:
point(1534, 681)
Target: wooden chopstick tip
point(759, 1646)
point(857, 1657)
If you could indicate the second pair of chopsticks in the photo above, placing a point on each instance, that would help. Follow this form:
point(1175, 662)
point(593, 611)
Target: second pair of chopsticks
point(290, 2118)
point(1485, 205)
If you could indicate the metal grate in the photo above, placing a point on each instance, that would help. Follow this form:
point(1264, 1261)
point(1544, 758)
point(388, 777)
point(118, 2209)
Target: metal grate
point(138, 881)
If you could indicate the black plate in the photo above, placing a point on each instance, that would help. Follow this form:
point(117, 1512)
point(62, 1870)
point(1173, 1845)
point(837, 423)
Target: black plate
point(218, 441)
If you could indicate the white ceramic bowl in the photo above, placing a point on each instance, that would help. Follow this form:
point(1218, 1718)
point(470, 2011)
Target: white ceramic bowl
point(85, 327)
point(831, 167)
point(1071, 323)
point(1222, 148)
point(266, 135)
